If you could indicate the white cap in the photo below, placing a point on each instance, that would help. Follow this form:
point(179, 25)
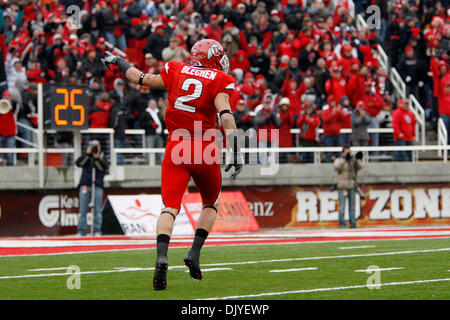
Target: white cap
point(284, 101)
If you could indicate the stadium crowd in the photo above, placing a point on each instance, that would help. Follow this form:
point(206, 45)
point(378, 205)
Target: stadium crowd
point(298, 63)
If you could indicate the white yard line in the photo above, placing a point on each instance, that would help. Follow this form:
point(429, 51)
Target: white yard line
point(328, 257)
point(68, 274)
point(368, 270)
point(239, 263)
point(268, 294)
point(293, 270)
point(214, 269)
point(48, 269)
point(356, 247)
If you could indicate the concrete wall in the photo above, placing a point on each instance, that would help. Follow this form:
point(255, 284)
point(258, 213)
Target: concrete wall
point(25, 178)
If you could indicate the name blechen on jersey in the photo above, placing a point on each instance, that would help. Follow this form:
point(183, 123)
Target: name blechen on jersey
point(203, 73)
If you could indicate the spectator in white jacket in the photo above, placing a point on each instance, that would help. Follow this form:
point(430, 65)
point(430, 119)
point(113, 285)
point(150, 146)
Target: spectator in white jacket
point(174, 51)
point(17, 79)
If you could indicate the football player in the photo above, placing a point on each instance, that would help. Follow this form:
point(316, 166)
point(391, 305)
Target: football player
point(196, 93)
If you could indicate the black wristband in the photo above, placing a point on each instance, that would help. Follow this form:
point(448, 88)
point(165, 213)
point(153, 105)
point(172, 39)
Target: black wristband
point(123, 65)
point(141, 78)
point(224, 111)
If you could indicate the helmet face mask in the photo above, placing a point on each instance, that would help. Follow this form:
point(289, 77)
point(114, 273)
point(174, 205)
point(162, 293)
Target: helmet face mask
point(225, 63)
point(209, 53)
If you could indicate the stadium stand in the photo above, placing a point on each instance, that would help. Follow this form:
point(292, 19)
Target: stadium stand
point(310, 52)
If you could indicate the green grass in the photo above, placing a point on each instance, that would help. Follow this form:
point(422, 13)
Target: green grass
point(244, 279)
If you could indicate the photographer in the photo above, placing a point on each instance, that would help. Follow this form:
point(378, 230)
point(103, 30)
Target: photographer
point(94, 170)
point(347, 168)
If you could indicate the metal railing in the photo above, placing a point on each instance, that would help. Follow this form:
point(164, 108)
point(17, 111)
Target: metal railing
point(117, 173)
point(442, 136)
point(398, 83)
point(419, 113)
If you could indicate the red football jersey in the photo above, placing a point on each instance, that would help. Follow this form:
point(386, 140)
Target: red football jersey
point(191, 93)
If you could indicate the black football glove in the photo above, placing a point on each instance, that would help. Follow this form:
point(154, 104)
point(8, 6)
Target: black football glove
point(110, 59)
point(237, 169)
point(237, 159)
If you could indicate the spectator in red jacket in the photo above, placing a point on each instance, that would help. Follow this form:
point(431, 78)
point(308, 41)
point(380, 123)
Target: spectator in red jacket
point(287, 122)
point(213, 30)
point(403, 123)
point(8, 127)
point(99, 114)
point(336, 86)
point(290, 47)
point(373, 104)
point(333, 119)
point(239, 61)
point(444, 95)
point(291, 90)
point(248, 85)
point(308, 122)
point(355, 83)
point(347, 59)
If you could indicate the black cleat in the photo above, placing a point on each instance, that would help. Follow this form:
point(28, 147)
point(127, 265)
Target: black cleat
point(192, 261)
point(160, 275)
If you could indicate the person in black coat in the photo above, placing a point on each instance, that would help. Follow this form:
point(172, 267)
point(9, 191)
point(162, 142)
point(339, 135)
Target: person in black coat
point(115, 22)
point(412, 71)
point(91, 184)
point(259, 62)
point(152, 121)
point(118, 117)
point(156, 42)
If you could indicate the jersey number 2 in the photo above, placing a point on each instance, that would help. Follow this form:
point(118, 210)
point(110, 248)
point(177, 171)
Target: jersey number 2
point(180, 102)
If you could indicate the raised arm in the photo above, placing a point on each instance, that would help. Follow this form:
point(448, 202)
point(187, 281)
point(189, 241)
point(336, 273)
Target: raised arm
point(133, 74)
point(229, 125)
point(226, 116)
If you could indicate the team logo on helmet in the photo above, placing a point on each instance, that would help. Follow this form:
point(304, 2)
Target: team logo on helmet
point(214, 50)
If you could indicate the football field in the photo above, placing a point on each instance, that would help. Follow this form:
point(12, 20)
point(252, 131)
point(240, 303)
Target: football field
point(347, 264)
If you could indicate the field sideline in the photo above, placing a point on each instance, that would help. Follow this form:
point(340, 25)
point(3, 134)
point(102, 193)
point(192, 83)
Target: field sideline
point(293, 264)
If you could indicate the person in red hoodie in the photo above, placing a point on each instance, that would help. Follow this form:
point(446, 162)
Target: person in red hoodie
point(213, 30)
point(239, 61)
point(248, 86)
point(404, 125)
point(99, 114)
point(443, 95)
point(333, 118)
point(8, 128)
point(308, 122)
point(291, 90)
point(373, 104)
point(347, 59)
point(336, 86)
point(287, 122)
point(355, 82)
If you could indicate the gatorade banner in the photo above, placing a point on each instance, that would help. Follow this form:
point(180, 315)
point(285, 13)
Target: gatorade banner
point(233, 213)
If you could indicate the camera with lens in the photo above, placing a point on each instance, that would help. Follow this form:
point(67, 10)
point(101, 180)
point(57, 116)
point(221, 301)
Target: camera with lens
point(361, 193)
point(94, 145)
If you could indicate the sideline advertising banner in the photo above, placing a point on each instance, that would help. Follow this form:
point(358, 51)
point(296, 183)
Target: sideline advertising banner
point(55, 212)
point(318, 207)
point(233, 214)
point(138, 214)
